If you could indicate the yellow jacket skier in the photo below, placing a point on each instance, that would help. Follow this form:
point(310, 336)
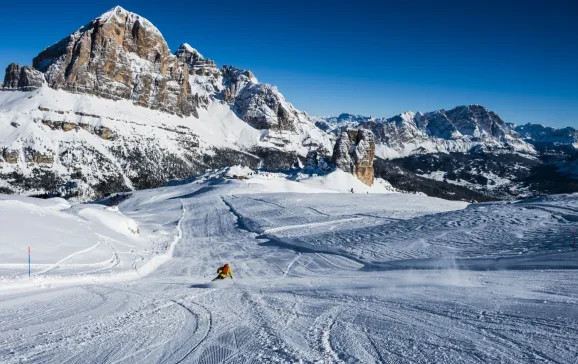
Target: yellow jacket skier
point(223, 272)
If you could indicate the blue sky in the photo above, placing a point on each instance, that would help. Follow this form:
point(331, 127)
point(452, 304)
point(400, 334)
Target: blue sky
point(378, 58)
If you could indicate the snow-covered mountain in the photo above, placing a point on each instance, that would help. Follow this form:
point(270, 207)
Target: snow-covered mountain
point(462, 129)
point(110, 108)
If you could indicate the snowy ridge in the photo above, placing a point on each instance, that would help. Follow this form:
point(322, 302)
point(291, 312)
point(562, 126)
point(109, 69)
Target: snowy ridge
point(90, 141)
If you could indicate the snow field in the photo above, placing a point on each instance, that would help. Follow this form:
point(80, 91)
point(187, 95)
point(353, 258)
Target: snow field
point(319, 277)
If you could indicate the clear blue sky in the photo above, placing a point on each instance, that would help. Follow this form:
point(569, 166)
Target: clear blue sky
point(518, 58)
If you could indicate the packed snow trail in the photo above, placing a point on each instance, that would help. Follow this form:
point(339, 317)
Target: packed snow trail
point(288, 303)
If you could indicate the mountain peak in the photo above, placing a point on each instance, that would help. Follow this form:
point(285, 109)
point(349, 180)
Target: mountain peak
point(123, 16)
point(117, 10)
point(117, 56)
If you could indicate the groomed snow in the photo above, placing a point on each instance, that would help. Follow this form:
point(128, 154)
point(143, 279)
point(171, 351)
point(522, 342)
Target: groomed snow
point(319, 277)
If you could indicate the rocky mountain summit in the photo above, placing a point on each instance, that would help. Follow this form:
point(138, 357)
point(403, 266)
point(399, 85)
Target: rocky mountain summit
point(120, 55)
point(22, 78)
point(197, 64)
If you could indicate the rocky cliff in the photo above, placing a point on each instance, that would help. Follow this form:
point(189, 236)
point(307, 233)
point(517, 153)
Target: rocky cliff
point(197, 64)
point(120, 55)
point(354, 152)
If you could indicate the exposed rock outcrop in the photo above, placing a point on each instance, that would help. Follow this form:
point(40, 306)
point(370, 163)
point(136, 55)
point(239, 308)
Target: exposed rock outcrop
point(10, 156)
point(37, 157)
point(102, 131)
point(354, 152)
point(22, 78)
point(120, 55)
point(263, 107)
point(260, 105)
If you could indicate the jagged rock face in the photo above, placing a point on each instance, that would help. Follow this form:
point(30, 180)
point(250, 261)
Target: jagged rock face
point(12, 78)
point(354, 153)
point(195, 61)
point(22, 78)
point(395, 133)
point(120, 55)
point(260, 105)
point(474, 121)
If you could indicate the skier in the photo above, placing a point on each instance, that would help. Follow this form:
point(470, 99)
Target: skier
point(223, 272)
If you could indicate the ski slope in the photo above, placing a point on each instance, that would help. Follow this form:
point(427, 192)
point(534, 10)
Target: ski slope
point(319, 277)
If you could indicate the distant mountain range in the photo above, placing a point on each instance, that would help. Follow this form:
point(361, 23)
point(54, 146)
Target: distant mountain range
point(110, 108)
point(473, 147)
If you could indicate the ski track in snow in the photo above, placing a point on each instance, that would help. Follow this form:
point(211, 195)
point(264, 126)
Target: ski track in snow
point(358, 279)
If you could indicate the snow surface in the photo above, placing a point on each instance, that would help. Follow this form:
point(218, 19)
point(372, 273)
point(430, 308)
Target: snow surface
point(64, 238)
point(24, 108)
point(319, 277)
point(337, 181)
